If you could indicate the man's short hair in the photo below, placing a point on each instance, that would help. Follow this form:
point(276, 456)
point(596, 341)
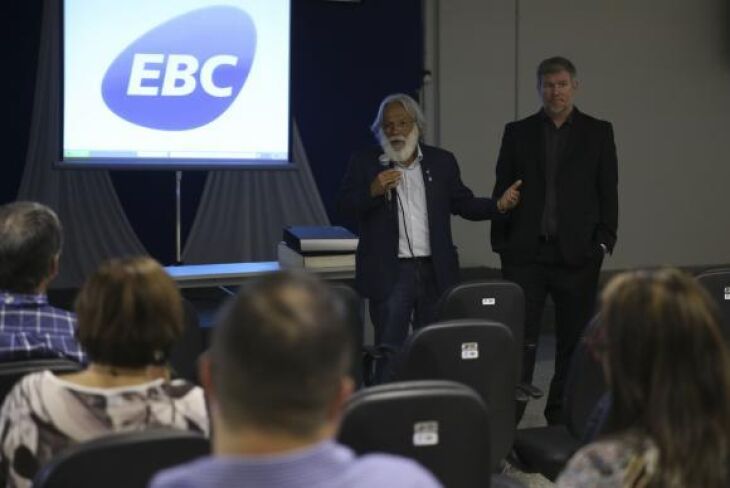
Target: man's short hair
point(30, 239)
point(130, 313)
point(554, 65)
point(279, 353)
point(411, 107)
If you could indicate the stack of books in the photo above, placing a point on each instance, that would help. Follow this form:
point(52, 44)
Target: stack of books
point(317, 247)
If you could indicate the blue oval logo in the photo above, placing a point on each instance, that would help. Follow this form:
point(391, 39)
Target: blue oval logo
point(185, 73)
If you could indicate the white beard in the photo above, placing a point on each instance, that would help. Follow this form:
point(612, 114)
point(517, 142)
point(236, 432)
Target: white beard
point(403, 154)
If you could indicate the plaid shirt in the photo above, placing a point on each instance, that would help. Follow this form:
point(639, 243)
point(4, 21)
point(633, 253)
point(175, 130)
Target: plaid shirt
point(32, 329)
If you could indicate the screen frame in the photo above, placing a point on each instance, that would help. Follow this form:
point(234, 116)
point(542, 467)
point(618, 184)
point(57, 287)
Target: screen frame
point(158, 164)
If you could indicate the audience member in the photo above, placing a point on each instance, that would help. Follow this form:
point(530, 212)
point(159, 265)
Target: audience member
point(30, 246)
point(276, 377)
point(668, 372)
point(130, 314)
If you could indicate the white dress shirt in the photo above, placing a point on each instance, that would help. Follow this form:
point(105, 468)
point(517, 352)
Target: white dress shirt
point(410, 196)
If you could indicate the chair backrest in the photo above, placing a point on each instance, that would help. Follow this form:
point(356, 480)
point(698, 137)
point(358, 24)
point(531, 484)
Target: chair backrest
point(185, 352)
point(496, 300)
point(356, 317)
point(717, 283)
point(585, 385)
point(441, 424)
point(11, 372)
point(477, 353)
point(127, 460)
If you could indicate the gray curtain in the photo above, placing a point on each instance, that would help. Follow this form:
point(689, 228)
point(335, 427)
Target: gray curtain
point(95, 227)
point(242, 213)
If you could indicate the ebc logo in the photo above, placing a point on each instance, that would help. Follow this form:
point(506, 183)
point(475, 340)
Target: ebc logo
point(184, 73)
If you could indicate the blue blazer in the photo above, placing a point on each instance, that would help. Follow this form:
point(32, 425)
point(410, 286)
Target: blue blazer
point(377, 252)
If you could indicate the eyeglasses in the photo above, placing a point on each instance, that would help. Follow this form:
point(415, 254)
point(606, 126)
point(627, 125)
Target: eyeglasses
point(399, 125)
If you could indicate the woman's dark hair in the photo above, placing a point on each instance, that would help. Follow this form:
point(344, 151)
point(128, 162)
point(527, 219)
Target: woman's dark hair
point(669, 373)
point(129, 313)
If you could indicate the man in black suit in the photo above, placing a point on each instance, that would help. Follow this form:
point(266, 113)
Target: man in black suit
point(403, 194)
point(555, 241)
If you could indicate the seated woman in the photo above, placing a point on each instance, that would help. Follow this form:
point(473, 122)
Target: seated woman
point(668, 371)
point(129, 316)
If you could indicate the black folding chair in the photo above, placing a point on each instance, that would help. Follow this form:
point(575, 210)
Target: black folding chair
point(186, 351)
point(496, 300)
point(717, 284)
point(443, 425)
point(356, 318)
point(128, 460)
point(477, 353)
point(547, 449)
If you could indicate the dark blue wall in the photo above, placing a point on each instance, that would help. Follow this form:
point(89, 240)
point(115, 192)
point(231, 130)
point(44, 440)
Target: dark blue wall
point(345, 58)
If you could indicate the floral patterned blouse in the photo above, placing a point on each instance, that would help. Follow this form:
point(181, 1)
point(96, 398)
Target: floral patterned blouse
point(611, 463)
point(44, 414)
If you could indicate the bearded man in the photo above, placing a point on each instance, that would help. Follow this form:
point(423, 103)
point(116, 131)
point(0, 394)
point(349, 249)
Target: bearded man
point(403, 194)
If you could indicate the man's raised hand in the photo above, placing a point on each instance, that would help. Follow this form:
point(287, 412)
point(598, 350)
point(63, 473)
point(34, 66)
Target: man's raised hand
point(510, 198)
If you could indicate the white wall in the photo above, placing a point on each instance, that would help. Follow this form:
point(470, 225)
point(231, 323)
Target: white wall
point(659, 70)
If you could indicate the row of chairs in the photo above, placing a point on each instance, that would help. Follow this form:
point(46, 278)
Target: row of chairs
point(547, 449)
point(453, 400)
point(444, 425)
point(476, 342)
point(465, 351)
point(461, 413)
point(434, 353)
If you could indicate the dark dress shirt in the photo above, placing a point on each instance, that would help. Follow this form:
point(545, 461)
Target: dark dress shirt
point(556, 145)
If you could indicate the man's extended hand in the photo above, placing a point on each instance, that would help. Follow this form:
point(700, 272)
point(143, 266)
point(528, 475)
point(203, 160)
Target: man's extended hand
point(510, 198)
point(386, 180)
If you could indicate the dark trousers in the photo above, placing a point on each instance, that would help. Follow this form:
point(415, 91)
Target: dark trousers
point(412, 301)
point(573, 291)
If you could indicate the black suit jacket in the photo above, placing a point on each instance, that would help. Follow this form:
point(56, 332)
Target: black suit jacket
point(586, 190)
point(377, 252)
